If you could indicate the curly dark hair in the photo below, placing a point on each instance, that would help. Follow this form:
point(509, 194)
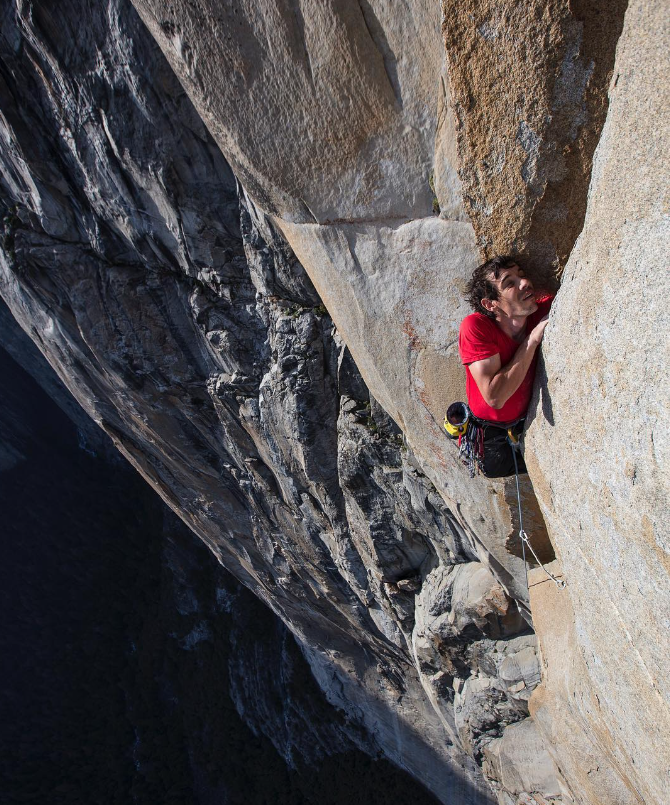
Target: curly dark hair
point(480, 286)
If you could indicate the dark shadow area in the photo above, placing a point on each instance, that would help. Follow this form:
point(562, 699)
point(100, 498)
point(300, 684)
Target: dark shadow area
point(121, 638)
point(545, 401)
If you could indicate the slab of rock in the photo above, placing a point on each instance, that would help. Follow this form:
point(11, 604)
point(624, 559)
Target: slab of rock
point(596, 453)
point(527, 85)
point(567, 710)
point(354, 198)
point(326, 111)
point(523, 769)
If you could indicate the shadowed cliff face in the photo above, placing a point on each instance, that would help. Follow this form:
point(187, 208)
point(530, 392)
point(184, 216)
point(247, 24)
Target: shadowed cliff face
point(179, 317)
point(134, 667)
point(183, 322)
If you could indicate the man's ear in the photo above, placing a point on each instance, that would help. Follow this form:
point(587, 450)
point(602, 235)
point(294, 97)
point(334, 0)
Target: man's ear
point(489, 304)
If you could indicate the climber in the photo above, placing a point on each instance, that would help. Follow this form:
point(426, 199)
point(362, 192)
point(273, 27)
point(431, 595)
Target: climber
point(498, 345)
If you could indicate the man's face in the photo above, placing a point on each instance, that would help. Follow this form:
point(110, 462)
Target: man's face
point(516, 295)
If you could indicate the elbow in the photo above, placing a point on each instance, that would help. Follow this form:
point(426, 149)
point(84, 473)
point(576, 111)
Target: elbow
point(494, 402)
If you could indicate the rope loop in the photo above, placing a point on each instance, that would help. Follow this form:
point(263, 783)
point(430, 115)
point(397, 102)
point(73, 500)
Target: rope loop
point(560, 583)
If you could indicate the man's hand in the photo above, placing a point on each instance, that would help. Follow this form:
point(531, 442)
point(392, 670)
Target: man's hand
point(497, 383)
point(536, 333)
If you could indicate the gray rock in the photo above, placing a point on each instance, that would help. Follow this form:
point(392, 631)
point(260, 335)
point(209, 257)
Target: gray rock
point(605, 494)
point(356, 205)
point(179, 318)
point(356, 139)
point(523, 768)
point(192, 321)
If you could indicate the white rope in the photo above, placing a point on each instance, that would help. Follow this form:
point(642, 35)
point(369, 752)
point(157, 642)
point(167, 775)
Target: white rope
point(524, 537)
point(558, 582)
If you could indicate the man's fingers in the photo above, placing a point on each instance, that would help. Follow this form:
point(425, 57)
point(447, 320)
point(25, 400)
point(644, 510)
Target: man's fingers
point(538, 330)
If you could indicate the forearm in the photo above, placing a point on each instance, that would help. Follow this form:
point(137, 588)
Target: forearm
point(509, 377)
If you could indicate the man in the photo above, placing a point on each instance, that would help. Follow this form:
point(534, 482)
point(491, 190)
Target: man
point(498, 344)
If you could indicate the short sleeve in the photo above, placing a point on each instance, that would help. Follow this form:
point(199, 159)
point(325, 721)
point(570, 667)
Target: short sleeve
point(477, 339)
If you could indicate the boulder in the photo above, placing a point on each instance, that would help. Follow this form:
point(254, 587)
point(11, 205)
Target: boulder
point(523, 768)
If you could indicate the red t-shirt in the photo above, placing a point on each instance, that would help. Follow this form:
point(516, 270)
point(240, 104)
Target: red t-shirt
point(479, 338)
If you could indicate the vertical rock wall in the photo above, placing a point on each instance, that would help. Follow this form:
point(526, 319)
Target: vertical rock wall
point(181, 321)
point(527, 83)
point(206, 351)
point(598, 450)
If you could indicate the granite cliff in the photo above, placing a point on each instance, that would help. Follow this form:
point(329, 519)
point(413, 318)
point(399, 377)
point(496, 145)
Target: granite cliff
point(243, 253)
point(135, 668)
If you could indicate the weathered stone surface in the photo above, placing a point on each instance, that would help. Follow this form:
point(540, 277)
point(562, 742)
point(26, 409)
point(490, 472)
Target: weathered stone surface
point(527, 82)
point(566, 708)
point(484, 688)
point(325, 111)
point(201, 346)
point(523, 768)
point(390, 277)
point(187, 328)
point(605, 495)
point(395, 291)
point(503, 674)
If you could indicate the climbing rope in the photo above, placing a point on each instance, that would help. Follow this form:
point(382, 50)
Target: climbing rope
point(522, 534)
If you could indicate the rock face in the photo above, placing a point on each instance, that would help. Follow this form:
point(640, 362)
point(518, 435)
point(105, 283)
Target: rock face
point(178, 684)
point(606, 504)
point(180, 319)
point(356, 138)
point(391, 276)
point(191, 318)
point(527, 85)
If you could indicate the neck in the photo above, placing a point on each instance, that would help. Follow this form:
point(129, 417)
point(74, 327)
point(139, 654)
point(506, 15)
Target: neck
point(513, 326)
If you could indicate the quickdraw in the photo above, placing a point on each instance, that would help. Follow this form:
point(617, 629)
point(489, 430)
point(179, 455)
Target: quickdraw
point(471, 447)
point(522, 534)
point(460, 424)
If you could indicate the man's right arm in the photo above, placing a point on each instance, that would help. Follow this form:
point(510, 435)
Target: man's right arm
point(498, 383)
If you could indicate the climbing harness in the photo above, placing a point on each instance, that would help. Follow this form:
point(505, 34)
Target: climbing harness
point(471, 447)
point(460, 423)
point(514, 442)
